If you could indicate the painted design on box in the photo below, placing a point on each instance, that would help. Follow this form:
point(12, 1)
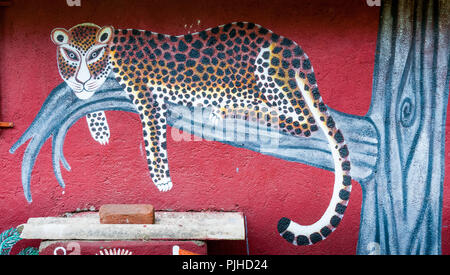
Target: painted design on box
point(176, 250)
point(11, 237)
point(238, 70)
point(137, 247)
point(114, 251)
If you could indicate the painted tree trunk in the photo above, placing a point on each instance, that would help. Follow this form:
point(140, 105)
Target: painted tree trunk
point(397, 149)
point(402, 203)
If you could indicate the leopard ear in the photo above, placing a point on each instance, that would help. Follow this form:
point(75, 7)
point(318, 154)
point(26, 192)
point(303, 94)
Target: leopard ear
point(105, 34)
point(60, 36)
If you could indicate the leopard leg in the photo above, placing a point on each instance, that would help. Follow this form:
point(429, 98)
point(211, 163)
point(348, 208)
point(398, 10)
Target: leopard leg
point(150, 103)
point(153, 118)
point(98, 127)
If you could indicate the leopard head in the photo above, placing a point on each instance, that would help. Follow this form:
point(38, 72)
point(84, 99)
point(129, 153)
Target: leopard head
point(83, 57)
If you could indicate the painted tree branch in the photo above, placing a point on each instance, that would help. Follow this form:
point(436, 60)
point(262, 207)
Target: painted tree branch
point(360, 134)
point(62, 109)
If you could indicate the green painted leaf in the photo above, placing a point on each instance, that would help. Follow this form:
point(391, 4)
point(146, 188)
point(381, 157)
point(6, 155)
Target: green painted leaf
point(29, 251)
point(8, 239)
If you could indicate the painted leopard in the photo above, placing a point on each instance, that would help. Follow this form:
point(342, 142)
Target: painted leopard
point(239, 70)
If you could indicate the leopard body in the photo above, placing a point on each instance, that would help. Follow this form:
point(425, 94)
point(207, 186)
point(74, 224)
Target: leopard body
point(239, 70)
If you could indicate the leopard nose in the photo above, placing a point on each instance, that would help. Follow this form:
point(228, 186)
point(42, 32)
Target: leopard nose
point(83, 74)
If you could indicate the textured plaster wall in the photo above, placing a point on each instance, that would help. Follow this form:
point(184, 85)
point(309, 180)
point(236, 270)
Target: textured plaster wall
point(338, 36)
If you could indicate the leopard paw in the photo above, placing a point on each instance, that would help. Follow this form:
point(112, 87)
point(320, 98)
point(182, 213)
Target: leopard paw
point(164, 186)
point(102, 139)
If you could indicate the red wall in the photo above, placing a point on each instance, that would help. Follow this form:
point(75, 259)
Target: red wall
point(338, 36)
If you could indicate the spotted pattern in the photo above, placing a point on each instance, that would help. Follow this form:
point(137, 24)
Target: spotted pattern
point(82, 38)
point(98, 127)
point(240, 70)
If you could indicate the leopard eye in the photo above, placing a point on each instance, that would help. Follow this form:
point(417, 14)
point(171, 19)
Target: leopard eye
point(95, 54)
point(72, 55)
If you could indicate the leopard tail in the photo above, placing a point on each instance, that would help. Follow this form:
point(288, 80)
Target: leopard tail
point(310, 234)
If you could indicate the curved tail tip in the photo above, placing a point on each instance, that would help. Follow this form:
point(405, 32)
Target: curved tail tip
point(289, 236)
point(282, 226)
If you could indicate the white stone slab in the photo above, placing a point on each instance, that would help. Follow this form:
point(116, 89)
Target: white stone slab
point(168, 225)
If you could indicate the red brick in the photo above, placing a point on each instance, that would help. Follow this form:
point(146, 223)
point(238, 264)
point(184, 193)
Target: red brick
point(127, 214)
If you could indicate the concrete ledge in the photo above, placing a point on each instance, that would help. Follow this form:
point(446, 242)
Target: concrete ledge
point(168, 226)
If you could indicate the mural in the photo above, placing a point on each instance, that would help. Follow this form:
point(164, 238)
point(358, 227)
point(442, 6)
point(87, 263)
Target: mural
point(243, 74)
point(239, 70)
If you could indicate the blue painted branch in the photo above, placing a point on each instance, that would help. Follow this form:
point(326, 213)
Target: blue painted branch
point(61, 110)
point(360, 134)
